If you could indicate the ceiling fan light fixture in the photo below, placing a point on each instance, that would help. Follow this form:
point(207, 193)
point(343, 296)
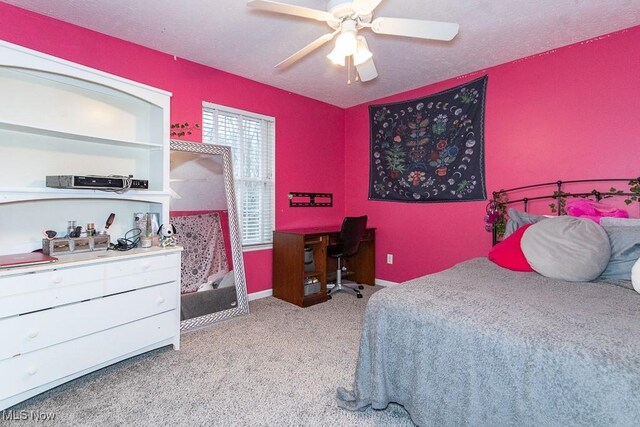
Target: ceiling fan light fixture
point(336, 57)
point(346, 43)
point(363, 54)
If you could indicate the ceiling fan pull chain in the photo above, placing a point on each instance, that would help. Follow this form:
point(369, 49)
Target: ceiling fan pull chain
point(348, 70)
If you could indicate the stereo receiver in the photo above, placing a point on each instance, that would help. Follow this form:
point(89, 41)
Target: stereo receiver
point(96, 182)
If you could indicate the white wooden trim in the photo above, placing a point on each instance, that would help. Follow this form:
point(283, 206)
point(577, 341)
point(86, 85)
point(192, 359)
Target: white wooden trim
point(260, 294)
point(386, 283)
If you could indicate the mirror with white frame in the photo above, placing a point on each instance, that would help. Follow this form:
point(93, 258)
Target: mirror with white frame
point(203, 212)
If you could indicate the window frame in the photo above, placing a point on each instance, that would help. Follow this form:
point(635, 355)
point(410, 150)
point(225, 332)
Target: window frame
point(263, 243)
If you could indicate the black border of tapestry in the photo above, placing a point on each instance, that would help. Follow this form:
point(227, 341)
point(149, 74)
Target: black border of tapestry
point(429, 149)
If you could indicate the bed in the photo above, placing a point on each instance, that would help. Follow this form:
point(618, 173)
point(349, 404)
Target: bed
point(479, 344)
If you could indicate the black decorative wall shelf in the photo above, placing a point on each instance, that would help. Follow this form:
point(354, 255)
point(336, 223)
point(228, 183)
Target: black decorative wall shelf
point(310, 200)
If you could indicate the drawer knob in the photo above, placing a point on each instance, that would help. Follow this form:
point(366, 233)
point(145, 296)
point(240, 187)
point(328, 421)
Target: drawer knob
point(145, 265)
point(57, 280)
point(160, 300)
point(31, 370)
point(33, 333)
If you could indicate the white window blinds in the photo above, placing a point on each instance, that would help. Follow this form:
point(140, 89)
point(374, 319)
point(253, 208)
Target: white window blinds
point(252, 141)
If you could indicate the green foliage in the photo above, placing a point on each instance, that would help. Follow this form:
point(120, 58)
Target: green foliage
point(634, 187)
point(395, 157)
point(500, 206)
point(561, 197)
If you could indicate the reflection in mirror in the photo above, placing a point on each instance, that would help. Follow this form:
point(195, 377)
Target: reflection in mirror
point(203, 211)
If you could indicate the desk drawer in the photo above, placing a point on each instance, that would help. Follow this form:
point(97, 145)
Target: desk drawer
point(23, 334)
point(31, 370)
point(314, 240)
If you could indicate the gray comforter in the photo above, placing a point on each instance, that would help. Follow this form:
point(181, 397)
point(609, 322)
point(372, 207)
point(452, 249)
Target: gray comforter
point(478, 345)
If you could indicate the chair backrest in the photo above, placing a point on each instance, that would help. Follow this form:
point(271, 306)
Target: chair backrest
point(353, 228)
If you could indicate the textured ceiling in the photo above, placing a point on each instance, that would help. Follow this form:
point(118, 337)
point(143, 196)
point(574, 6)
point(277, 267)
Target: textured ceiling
point(227, 35)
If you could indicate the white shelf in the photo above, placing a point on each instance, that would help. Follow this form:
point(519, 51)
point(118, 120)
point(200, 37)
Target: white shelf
point(75, 137)
point(60, 118)
point(11, 195)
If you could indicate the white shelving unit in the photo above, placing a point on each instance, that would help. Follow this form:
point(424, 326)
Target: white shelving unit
point(61, 118)
point(88, 310)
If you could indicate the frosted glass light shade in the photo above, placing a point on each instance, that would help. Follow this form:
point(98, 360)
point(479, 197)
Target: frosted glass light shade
point(346, 43)
point(363, 54)
point(336, 57)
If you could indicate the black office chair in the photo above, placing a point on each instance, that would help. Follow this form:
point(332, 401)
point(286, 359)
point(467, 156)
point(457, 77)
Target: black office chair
point(353, 228)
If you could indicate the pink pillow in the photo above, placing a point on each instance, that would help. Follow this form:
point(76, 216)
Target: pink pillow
point(508, 253)
point(584, 208)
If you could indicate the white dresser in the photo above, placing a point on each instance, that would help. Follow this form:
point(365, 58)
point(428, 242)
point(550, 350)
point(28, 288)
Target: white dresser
point(60, 321)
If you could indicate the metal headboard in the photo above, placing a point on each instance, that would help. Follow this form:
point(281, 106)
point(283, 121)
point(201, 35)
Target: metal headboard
point(497, 206)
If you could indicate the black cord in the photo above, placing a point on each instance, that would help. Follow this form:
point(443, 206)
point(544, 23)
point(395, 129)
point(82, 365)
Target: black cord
point(130, 240)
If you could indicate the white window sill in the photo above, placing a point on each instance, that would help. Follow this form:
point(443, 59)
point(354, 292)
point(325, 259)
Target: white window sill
point(262, 247)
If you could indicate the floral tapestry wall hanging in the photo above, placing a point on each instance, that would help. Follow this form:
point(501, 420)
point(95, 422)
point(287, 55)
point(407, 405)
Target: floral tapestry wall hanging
point(429, 149)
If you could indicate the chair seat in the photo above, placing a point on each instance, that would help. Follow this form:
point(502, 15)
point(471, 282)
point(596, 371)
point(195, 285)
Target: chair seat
point(335, 251)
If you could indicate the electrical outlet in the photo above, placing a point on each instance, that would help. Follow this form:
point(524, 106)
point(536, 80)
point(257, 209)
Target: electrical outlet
point(389, 258)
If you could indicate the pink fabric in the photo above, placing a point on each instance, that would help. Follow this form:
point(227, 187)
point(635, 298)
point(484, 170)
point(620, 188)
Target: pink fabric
point(203, 258)
point(585, 208)
point(508, 253)
point(224, 224)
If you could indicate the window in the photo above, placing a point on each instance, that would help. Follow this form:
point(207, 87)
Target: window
point(252, 141)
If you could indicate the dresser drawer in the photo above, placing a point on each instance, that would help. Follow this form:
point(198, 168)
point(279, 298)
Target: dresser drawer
point(31, 370)
point(23, 334)
point(140, 273)
point(51, 289)
point(141, 265)
point(49, 279)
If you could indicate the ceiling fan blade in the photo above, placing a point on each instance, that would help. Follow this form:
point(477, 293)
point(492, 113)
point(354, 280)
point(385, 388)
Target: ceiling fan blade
point(307, 49)
point(367, 70)
point(433, 30)
point(289, 9)
point(365, 7)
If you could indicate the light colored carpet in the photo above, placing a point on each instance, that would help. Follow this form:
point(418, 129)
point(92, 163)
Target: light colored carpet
point(279, 366)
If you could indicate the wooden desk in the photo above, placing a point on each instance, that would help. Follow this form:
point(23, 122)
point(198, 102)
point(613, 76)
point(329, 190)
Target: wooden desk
point(289, 274)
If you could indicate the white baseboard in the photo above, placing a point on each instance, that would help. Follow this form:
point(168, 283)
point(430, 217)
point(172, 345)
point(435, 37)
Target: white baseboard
point(385, 283)
point(269, 292)
point(261, 294)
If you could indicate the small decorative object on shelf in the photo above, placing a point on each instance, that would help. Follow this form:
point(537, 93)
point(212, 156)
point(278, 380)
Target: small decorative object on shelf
point(167, 237)
point(73, 245)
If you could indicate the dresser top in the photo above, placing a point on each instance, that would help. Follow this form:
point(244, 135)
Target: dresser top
point(86, 258)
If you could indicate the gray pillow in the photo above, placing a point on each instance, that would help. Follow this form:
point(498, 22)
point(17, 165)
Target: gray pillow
point(567, 248)
point(625, 251)
point(620, 222)
point(519, 218)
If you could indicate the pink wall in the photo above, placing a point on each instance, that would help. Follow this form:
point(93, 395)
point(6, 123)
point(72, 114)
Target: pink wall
point(301, 138)
point(570, 113)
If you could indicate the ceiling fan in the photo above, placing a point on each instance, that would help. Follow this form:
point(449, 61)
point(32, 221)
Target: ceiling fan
point(346, 18)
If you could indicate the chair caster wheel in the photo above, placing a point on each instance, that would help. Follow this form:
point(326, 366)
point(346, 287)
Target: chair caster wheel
point(359, 295)
point(360, 287)
point(328, 296)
